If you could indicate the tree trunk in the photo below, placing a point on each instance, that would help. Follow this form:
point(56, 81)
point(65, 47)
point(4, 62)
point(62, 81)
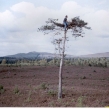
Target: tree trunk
point(61, 68)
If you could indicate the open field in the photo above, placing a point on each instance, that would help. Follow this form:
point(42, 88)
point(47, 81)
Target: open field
point(36, 86)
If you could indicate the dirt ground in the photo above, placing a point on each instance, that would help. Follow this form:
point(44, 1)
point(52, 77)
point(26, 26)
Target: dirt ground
point(37, 86)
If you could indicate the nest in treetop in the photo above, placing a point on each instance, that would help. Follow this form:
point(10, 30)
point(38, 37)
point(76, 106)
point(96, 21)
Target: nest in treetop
point(75, 22)
point(76, 25)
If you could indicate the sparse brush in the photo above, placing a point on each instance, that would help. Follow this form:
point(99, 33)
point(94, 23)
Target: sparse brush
point(94, 71)
point(51, 104)
point(80, 101)
point(1, 89)
point(73, 100)
point(58, 65)
point(67, 104)
point(52, 93)
point(16, 90)
point(84, 77)
point(43, 86)
point(29, 95)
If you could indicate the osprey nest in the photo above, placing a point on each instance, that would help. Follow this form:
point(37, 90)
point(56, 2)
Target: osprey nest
point(52, 24)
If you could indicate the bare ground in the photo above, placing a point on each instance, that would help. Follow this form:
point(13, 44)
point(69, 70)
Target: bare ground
point(37, 86)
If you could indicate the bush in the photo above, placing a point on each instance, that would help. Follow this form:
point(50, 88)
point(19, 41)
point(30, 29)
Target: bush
point(83, 77)
point(94, 71)
point(80, 102)
point(52, 93)
point(1, 89)
point(90, 65)
point(43, 86)
point(16, 90)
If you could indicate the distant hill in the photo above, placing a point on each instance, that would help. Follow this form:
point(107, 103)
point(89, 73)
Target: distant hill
point(40, 55)
point(32, 55)
point(35, 55)
point(96, 55)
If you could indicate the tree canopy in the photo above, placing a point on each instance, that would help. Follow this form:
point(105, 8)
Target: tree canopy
point(76, 25)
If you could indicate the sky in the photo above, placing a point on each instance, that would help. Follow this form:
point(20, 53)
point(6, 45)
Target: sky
point(20, 19)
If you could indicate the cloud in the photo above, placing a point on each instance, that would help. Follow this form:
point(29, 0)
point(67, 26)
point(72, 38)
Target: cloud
point(34, 16)
point(18, 28)
point(7, 20)
point(102, 2)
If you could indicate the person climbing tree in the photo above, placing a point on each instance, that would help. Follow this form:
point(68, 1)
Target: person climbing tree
point(65, 22)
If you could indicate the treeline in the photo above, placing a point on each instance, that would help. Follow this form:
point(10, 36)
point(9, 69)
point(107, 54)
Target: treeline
point(97, 62)
point(12, 60)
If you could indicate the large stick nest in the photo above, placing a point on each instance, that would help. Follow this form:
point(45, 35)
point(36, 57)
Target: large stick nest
point(51, 24)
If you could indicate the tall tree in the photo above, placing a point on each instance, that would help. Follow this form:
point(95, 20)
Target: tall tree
point(75, 26)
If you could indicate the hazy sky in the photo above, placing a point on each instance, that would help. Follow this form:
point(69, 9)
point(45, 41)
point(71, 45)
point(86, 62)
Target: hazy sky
point(19, 20)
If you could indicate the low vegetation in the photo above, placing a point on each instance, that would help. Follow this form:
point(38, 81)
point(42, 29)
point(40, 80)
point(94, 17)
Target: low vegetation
point(16, 90)
point(1, 89)
point(52, 93)
point(37, 86)
point(97, 62)
point(44, 86)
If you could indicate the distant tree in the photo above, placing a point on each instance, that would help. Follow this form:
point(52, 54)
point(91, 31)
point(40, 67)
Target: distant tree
point(75, 26)
point(3, 61)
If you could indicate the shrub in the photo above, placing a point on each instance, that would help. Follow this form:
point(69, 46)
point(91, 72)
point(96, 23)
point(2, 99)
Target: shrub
point(58, 65)
point(1, 89)
point(29, 96)
point(94, 71)
point(83, 77)
point(80, 102)
point(90, 65)
point(16, 90)
point(52, 93)
point(43, 86)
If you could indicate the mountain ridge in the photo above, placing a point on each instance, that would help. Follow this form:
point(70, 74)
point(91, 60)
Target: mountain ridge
point(35, 54)
point(105, 54)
